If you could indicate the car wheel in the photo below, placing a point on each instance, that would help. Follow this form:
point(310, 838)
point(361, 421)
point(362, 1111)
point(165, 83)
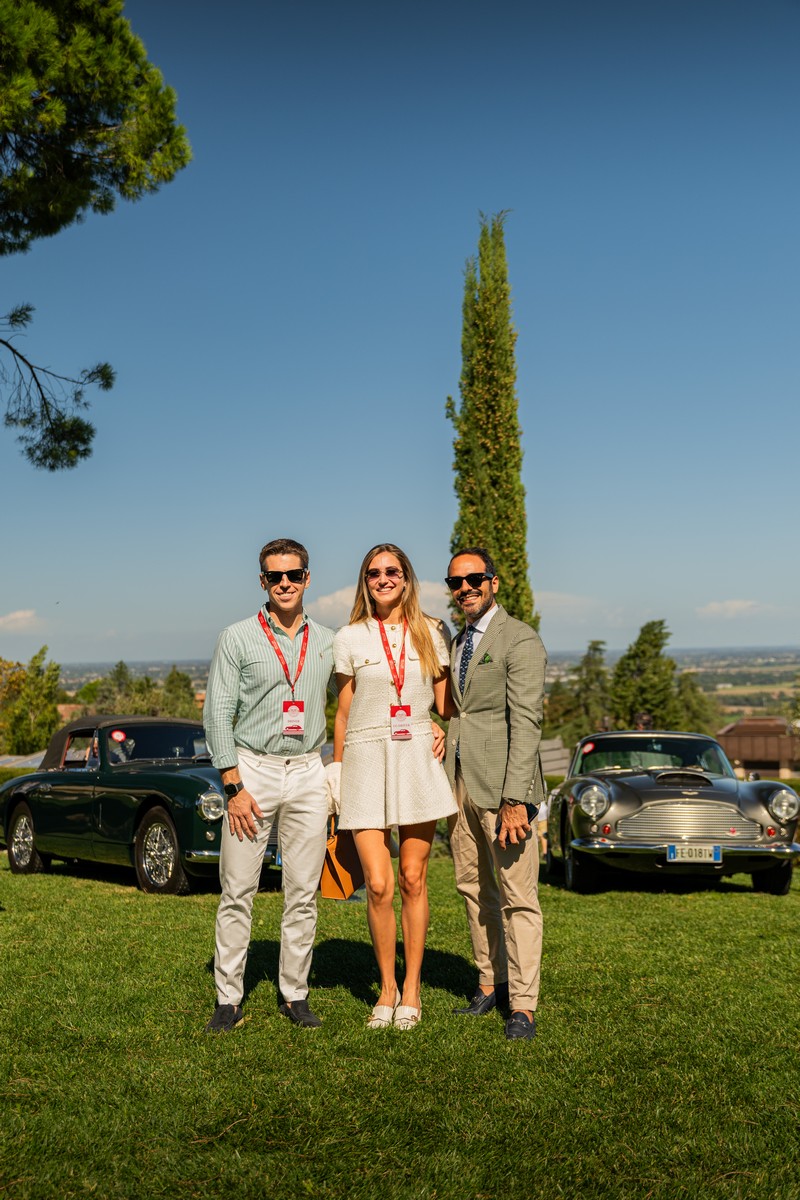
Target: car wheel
point(580, 873)
point(775, 881)
point(23, 857)
point(157, 855)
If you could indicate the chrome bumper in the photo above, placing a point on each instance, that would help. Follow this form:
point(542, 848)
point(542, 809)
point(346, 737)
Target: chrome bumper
point(208, 857)
point(596, 846)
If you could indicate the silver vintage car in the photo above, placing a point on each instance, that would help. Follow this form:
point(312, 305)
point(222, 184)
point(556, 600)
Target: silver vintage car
point(669, 803)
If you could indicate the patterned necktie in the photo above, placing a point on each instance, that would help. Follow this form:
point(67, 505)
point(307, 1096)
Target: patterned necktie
point(466, 655)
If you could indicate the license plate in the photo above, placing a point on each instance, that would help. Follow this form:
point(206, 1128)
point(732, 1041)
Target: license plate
point(683, 853)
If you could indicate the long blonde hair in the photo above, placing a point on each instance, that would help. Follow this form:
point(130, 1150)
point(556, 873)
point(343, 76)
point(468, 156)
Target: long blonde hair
point(418, 627)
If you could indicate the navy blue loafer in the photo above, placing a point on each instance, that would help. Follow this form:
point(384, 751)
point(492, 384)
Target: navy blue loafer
point(518, 1026)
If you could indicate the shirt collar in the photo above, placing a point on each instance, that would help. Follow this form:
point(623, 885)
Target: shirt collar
point(482, 624)
point(279, 628)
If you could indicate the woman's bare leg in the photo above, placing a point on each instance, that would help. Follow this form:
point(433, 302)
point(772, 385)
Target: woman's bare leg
point(373, 850)
point(415, 849)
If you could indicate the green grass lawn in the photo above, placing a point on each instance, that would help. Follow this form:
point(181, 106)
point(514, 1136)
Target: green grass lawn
point(666, 1063)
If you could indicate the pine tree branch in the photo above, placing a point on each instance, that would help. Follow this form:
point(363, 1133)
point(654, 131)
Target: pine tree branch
point(42, 404)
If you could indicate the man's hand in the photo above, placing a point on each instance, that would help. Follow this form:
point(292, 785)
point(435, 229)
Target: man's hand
point(242, 811)
point(514, 824)
point(438, 741)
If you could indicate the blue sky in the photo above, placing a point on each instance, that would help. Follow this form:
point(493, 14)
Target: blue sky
point(285, 317)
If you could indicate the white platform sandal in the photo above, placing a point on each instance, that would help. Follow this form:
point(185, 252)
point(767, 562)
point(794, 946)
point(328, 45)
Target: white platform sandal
point(406, 1017)
point(382, 1014)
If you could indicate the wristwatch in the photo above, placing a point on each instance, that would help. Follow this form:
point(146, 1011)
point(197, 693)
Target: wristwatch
point(232, 789)
point(513, 803)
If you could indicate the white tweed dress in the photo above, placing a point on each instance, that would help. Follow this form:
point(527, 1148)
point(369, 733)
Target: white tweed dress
point(387, 783)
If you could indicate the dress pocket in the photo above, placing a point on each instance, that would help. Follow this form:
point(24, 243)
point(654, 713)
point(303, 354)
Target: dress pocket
point(363, 662)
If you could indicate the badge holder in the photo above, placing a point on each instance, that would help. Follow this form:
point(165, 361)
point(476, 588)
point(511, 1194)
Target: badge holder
point(294, 718)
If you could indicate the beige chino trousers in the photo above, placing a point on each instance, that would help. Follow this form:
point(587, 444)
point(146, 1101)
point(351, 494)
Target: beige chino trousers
point(292, 791)
point(501, 893)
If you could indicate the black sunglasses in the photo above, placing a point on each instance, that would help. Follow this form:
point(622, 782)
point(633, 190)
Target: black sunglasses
point(297, 575)
point(475, 580)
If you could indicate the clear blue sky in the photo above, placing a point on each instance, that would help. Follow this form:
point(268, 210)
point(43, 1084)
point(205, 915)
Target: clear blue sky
point(285, 320)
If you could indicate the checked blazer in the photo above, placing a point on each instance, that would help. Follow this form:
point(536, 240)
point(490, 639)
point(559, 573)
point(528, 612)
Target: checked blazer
point(498, 726)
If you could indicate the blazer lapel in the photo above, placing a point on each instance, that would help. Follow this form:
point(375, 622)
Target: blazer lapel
point(454, 688)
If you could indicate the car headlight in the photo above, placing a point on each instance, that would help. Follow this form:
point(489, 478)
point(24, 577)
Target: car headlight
point(594, 801)
point(211, 806)
point(784, 805)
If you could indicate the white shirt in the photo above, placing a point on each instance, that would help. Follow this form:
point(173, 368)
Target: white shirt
point(480, 627)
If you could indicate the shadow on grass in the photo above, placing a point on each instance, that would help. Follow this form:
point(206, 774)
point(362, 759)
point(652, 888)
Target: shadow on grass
point(610, 879)
point(73, 868)
point(339, 962)
point(345, 963)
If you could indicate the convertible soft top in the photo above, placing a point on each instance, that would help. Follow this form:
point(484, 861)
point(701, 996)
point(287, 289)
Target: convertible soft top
point(54, 754)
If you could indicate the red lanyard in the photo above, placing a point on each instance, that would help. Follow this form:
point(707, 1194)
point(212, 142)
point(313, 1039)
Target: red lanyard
point(301, 660)
point(398, 674)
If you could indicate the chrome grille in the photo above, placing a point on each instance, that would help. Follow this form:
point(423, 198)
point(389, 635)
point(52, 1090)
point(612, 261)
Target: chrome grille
point(688, 819)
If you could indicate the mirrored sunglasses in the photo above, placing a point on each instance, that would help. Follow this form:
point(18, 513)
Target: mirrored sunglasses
point(391, 573)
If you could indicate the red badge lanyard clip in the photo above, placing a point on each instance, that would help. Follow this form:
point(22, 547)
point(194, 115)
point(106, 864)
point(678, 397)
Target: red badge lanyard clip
point(273, 642)
point(398, 672)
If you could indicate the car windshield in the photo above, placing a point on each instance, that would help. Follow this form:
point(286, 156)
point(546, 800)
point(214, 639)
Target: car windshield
point(137, 743)
point(651, 752)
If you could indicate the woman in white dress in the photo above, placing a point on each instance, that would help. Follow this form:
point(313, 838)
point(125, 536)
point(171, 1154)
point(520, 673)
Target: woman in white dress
point(392, 667)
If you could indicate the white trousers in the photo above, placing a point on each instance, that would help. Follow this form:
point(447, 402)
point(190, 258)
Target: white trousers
point(293, 791)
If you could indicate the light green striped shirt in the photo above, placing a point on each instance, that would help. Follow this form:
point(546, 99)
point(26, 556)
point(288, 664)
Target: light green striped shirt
point(247, 687)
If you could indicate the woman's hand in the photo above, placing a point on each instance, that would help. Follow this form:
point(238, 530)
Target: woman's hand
point(439, 742)
point(333, 786)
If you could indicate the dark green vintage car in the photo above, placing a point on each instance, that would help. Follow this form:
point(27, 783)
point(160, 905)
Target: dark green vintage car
point(134, 791)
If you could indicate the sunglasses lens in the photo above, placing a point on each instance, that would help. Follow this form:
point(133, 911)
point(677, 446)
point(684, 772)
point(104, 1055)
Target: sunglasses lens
point(474, 580)
point(390, 573)
point(295, 576)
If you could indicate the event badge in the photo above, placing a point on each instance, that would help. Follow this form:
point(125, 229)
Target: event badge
point(294, 717)
point(400, 720)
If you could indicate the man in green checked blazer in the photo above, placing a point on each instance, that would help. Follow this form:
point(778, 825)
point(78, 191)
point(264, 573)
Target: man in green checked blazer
point(497, 679)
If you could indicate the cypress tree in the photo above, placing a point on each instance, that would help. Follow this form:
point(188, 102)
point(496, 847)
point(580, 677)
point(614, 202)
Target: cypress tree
point(643, 683)
point(487, 448)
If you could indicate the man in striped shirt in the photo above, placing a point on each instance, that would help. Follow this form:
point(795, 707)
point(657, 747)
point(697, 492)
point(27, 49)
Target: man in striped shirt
point(264, 718)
